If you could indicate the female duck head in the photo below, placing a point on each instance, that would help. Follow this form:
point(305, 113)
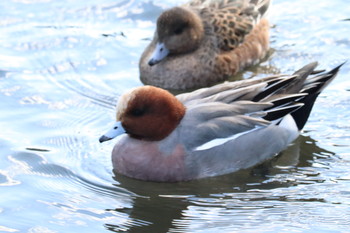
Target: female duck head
point(179, 31)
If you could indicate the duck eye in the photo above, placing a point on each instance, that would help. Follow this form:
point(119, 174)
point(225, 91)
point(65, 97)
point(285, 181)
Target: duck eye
point(178, 30)
point(137, 112)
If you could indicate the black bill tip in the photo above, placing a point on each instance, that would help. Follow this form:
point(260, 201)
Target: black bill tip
point(152, 62)
point(103, 138)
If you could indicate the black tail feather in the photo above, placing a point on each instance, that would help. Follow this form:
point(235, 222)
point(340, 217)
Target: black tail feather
point(295, 94)
point(286, 100)
point(313, 89)
point(275, 114)
point(273, 88)
point(287, 85)
point(301, 115)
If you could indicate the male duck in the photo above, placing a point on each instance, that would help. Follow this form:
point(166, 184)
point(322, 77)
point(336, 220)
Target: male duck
point(211, 131)
point(204, 42)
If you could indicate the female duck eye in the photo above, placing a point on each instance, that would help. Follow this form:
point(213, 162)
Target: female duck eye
point(178, 31)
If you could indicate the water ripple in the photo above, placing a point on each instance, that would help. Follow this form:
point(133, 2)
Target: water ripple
point(64, 66)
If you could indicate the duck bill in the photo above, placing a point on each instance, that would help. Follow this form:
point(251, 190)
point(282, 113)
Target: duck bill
point(115, 131)
point(159, 54)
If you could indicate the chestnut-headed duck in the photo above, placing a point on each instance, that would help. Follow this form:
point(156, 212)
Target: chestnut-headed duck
point(204, 42)
point(211, 131)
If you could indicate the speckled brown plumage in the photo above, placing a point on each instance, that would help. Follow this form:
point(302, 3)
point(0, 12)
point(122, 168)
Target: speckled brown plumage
point(229, 36)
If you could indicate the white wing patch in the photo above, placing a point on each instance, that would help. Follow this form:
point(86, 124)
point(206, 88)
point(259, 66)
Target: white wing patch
point(220, 141)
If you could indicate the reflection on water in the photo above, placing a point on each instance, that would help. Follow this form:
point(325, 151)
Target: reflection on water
point(63, 67)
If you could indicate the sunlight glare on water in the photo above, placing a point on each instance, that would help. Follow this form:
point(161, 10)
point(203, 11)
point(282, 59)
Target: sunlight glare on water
point(63, 65)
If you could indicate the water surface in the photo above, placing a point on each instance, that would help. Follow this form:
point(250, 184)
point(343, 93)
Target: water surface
point(63, 65)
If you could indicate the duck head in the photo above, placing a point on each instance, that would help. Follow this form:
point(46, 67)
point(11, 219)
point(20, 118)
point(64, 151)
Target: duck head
point(146, 113)
point(179, 31)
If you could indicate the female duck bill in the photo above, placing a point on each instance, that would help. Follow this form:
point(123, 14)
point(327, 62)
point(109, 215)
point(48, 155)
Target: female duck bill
point(160, 52)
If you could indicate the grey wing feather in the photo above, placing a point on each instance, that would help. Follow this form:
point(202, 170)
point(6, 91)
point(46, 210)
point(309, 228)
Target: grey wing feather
point(218, 120)
point(222, 91)
point(232, 108)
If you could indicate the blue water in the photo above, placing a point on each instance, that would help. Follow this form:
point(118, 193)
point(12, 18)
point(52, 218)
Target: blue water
point(63, 65)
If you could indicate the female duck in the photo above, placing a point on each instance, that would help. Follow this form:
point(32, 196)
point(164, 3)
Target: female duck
point(204, 42)
point(211, 131)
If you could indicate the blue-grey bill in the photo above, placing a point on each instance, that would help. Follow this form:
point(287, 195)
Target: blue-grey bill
point(160, 52)
point(115, 131)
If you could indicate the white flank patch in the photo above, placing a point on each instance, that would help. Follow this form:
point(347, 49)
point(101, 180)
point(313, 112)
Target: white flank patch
point(289, 123)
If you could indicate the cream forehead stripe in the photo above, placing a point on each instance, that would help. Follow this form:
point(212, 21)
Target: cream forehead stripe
point(123, 102)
